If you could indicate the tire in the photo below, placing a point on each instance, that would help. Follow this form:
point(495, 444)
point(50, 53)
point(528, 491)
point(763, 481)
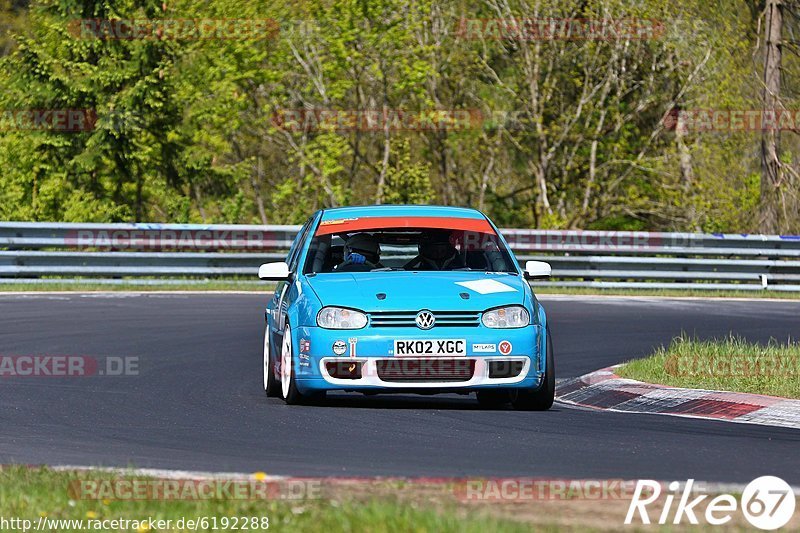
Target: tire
point(272, 387)
point(493, 398)
point(541, 398)
point(288, 385)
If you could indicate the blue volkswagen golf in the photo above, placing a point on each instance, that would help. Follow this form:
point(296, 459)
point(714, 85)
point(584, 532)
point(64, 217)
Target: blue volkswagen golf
point(419, 299)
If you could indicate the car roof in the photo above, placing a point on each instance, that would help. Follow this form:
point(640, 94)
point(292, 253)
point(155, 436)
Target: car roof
point(401, 211)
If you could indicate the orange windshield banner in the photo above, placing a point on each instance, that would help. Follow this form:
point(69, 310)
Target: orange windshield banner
point(347, 225)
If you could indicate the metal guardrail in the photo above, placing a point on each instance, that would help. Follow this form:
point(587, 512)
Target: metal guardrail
point(192, 253)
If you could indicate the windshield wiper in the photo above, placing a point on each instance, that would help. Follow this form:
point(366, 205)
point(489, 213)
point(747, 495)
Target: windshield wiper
point(468, 269)
point(387, 269)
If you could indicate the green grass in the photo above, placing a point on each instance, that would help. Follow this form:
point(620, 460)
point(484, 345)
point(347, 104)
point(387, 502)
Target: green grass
point(730, 364)
point(29, 493)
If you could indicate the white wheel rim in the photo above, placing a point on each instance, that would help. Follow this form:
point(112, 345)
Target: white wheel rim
point(286, 362)
point(267, 369)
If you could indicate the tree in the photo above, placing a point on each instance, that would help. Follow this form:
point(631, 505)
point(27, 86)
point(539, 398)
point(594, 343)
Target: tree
point(773, 199)
point(567, 132)
point(779, 202)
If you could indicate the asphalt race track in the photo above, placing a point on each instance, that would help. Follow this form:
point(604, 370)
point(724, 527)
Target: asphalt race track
point(198, 404)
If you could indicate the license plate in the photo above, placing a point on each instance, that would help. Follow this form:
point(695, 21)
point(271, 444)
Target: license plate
point(430, 347)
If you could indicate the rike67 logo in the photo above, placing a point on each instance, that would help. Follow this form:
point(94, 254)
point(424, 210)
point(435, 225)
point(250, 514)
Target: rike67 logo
point(767, 503)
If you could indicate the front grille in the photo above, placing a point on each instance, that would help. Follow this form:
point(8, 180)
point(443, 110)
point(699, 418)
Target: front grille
point(406, 319)
point(413, 370)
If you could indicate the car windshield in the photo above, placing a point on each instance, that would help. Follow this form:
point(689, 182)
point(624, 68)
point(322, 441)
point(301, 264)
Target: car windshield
point(407, 249)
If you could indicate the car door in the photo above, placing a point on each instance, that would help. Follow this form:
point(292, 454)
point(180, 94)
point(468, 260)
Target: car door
point(283, 295)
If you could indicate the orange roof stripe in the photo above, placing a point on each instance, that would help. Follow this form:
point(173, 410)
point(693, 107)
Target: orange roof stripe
point(347, 225)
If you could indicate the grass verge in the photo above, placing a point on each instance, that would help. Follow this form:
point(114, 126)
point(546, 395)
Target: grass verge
point(34, 493)
point(376, 505)
point(730, 364)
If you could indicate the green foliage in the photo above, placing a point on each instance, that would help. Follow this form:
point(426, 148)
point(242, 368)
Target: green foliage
point(408, 182)
point(562, 134)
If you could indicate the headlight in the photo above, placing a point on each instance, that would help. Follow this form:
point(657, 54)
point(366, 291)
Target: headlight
point(340, 318)
point(514, 316)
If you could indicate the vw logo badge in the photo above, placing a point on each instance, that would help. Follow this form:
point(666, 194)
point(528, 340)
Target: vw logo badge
point(425, 320)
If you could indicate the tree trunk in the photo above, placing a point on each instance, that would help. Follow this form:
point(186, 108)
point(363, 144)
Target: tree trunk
point(256, 182)
point(771, 172)
point(198, 197)
point(687, 172)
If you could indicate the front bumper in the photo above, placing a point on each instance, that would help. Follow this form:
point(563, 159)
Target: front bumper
point(370, 350)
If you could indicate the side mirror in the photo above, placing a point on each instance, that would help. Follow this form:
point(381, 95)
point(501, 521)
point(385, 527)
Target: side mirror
point(274, 271)
point(537, 270)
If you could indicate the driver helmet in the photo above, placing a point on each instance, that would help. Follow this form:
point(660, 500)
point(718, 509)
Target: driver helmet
point(364, 244)
point(437, 248)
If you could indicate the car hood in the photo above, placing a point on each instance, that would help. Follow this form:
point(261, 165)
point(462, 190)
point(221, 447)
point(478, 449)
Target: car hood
point(412, 291)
